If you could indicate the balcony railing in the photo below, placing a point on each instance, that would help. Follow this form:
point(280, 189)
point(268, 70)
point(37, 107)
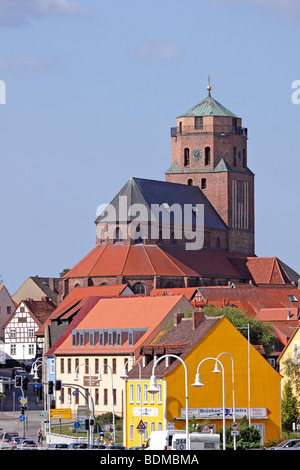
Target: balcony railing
point(212, 129)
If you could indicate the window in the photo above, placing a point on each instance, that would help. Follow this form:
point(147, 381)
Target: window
point(13, 350)
point(91, 339)
point(198, 122)
point(114, 366)
point(186, 157)
point(69, 366)
point(62, 366)
point(130, 338)
point(203, 183)
point(12, 333)
point(119, 338)
point(31, 332)
point(138, 393)
point(207, 156)
point(131, 393)
point(31, 349)
point(292, 298)
point(139, 288)
point(190, 182)
point(234, 156)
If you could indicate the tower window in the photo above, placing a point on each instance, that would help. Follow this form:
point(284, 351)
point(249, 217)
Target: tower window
point(198, 122)
point(244, 158)
point(234, 156)
point(190, 182)
point(186, 157)
point(203, 183)
point(207, 156)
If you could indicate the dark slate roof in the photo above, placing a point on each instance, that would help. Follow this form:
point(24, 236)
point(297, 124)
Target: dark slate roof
point(179, 340)
point(208, 107)
point(151, 192)
point(45, 284)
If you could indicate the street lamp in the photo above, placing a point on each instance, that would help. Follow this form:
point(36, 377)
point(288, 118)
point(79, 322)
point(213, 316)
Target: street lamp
point(233, 392)
point(154, 389)
point(76, 378)
point(198, 383)
point(112, 394)
point(125, 376)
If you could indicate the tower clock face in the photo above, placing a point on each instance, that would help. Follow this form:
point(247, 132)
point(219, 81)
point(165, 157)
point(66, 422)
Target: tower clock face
point(197, 154)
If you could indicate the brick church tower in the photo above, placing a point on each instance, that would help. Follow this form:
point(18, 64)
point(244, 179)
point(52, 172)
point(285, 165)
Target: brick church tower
point(209, 150)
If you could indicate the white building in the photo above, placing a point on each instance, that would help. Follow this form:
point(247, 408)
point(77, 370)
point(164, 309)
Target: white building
point(7, 307)
point(19, 330)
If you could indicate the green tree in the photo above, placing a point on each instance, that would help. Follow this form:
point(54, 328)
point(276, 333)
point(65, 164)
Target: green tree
point(289, 408)
point(260, 332)
point(248, 437)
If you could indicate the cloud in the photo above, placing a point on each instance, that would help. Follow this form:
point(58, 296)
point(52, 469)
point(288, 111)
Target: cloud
point(149, 50)
point(287, 8)
point(16, 12)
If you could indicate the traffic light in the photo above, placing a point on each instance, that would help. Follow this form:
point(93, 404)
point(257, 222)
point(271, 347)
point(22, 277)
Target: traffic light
point(23, 409)
point(50, 387)
point(18, 381)
point(87, 424)
point(57, 384)
point(25, 383)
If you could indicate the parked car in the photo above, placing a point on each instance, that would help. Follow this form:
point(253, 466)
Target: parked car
point(15, 371)
point(26, 444)
point(58, 446)
point(9, 435)
point(97, 446)
point(116, 447)
point(14, 441)
point(285, 444)
point(78, 445)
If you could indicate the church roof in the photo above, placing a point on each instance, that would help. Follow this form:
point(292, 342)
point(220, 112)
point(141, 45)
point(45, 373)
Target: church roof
point(151, 192)
point(154, 260)
point(208, 107)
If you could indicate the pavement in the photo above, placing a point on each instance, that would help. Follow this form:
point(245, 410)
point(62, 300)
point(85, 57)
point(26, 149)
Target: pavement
point(10, 422)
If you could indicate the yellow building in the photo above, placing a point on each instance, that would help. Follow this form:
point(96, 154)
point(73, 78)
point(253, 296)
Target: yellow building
point(290, 353)
point(196, 339)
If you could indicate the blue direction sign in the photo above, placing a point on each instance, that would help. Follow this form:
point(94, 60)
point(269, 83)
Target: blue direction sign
point(21, 418)
point(76, 425)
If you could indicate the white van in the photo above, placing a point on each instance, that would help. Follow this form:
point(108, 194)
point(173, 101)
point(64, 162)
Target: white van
point(161, 440)
point(198, 441)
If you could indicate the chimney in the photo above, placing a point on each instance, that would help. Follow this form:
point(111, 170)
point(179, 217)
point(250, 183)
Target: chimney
point(177, 317)
point(52, 283)
point(197, 318)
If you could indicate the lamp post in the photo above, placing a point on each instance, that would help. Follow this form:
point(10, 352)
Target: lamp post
point(34, 368)
point(154, 389)
point(112, 395)
point(198, 383)
point(91, 402)
point(125, 376)
point(233, 392)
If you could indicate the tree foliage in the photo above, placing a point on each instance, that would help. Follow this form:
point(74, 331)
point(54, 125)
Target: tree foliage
point(289, 408)
point(261, 333)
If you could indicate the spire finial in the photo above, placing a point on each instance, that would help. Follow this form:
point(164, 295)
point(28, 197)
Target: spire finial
point(208, 87)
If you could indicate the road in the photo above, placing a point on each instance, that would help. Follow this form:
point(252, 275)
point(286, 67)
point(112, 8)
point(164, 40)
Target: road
point(11, 409)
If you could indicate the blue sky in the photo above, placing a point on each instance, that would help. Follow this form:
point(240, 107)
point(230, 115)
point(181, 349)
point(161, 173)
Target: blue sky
point(92, 89)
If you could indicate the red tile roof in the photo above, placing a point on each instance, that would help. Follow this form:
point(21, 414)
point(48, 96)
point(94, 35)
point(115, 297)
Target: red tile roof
point(76, 298)
point(146, 313)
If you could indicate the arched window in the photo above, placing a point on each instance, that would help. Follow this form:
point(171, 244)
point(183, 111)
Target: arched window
point(186, 157)
point(203, 183)
point(207, 156)
point(139, 288)
point(190, 182)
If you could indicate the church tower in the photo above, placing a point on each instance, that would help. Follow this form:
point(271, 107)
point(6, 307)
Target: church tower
point(209, 150)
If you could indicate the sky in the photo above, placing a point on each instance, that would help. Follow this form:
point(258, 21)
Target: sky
point(90, 89)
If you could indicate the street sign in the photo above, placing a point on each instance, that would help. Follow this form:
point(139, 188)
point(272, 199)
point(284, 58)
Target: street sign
point(21, 418)
point(141, 426)
point(62, 413)
point(234, 426)
point(206, 429)
point(235, 433)
point(76, 425)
